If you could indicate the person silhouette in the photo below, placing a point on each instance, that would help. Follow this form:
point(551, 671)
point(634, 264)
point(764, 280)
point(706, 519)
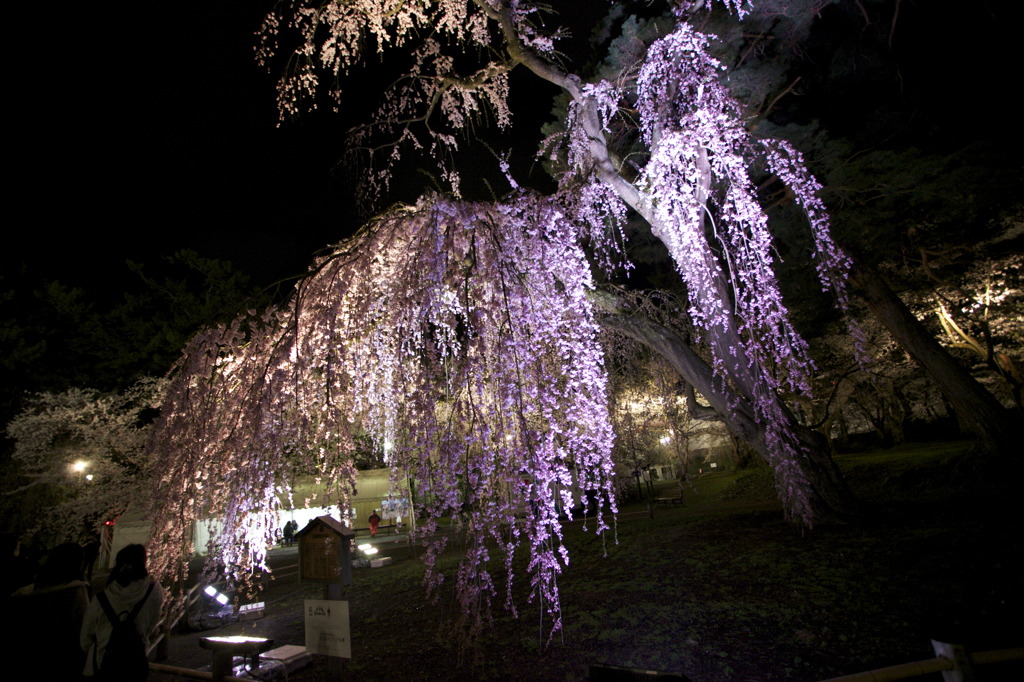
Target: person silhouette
point(129, 589)
point(48, 615)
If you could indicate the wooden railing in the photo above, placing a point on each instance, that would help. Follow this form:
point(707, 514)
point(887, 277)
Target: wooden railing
point(163, 627)
point(952, 660)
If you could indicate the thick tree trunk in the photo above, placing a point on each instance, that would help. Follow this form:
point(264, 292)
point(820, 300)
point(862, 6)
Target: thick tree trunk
point(829, 495)
point(977, 409)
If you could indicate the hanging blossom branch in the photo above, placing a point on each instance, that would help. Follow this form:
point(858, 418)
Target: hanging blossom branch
point(696, 192)
point(694, 187)
point(434, 91)
point(697, 140)
point(335, 35)
point(236, 416)
point(460, 333)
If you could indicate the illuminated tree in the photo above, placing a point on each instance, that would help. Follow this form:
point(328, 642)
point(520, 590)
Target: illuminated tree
point(984, 314)
point(979, 311)
point(79, 457)
point(466, 334)
point(909, 174)
point(459, 333)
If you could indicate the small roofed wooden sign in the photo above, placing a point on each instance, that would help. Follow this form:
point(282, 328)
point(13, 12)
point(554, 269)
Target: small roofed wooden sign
point(325, 551)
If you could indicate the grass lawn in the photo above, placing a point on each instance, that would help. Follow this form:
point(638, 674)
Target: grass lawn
point(723, 588)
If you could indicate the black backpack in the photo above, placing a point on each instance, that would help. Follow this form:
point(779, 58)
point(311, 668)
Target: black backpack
point(125, 657)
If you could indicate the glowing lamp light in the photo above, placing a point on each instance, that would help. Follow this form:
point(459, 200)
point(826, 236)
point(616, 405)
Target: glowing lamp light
point(88, 477)
point(226, 648)
point(236, 639)
point(221, 598)
point(365, 546)
point(80, 465)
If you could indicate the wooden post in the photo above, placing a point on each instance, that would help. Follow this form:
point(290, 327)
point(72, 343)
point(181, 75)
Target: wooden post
point(334, 591)
point(165, 636)
point(325, 554)
point(963, 669)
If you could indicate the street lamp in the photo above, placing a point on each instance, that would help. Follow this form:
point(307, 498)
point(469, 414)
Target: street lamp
point(79, 466)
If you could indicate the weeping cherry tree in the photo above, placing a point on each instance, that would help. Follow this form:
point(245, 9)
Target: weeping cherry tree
point(466, 334)
point(462, 335)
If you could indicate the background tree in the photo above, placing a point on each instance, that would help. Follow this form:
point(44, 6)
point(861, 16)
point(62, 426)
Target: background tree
point(55, 336)
point(68, 347)
point(908, 170)
point(977, 301)
point(79, 459)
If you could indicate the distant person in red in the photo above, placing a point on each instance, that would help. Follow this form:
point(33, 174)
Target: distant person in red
point(374, 522)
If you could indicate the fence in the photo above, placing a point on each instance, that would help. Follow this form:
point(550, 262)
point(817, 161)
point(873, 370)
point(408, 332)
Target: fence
point(952, 660)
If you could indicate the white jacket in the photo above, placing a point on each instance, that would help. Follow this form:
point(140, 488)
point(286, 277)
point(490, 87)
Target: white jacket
point(96, 627)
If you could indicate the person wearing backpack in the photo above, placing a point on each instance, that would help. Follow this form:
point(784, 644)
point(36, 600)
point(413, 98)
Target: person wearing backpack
point(117, 624)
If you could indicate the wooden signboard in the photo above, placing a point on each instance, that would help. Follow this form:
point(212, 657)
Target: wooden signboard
point(325, 551)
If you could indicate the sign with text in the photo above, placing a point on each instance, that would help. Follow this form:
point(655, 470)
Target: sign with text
point(327, 630)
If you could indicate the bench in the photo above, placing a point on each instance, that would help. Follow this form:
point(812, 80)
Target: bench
point(669, 501)
point(390, 529)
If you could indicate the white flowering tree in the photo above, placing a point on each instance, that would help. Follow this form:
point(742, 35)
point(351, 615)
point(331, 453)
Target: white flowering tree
point(976, 300)
point(978, 410)
point(465, 335)
point(79, 457)
point(984, 314)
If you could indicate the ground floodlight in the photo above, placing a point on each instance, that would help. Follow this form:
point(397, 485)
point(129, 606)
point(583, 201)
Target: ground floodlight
point(237, 639)
point(221, 598)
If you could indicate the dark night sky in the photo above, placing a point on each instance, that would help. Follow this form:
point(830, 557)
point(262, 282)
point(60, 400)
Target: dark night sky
point(162, 137)
point(152, 129)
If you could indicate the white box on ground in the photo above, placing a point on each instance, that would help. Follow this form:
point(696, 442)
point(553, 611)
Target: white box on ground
point(284, 653)
point(327, 628)
point(290, 656)
point(251, 611)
